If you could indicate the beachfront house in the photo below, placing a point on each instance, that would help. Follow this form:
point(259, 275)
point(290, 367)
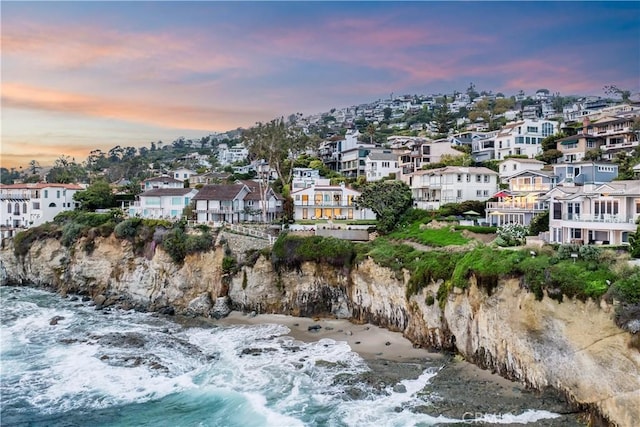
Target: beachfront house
point(162, 203)
point(325, 201)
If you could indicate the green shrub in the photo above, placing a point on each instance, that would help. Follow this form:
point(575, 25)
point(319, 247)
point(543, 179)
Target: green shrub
point(174, 243)
point(198, 243)
point(627, 289)
point(22, 241)
point(291, 251)
point(71, 232)
point(229, 264)
point(429, 300)
point(128, 228)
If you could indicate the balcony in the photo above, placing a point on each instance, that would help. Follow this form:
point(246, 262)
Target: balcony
point(219, 211)
point(23, 195)
point(518, 206)
point(602, 218)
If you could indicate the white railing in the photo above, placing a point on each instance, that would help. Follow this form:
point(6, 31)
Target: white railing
point(533, 206)
point(620, 219)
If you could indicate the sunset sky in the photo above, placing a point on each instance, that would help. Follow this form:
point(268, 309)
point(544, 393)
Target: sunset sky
point(83, 75)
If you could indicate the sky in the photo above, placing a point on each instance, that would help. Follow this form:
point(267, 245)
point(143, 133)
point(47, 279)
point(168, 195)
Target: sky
point(77, 76)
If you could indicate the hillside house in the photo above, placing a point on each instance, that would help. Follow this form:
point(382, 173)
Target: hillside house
point(325, 201)
point(594, 213)
point(432, 188)
point(162, 203)
point(30, 205)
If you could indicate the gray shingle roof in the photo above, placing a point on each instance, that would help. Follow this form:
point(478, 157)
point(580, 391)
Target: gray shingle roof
point(219, 192)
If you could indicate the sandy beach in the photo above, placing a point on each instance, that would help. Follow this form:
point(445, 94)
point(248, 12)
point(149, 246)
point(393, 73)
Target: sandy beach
point(370, 341)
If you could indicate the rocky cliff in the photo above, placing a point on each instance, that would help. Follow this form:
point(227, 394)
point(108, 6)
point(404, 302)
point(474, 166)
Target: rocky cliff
point(572, 346)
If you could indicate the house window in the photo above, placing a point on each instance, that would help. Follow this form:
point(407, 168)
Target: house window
point(459, 194)
point(532, 129)
point(468, 177)
point(576, 233)
point(57, 194)
point(478, 193)
point(557, 210)
point(16, 209)
point(637, 206)
point(515, 167)
point(605, 207)
point(46, 194)
point(486, 178)
point(9, 208)
point(36, 205)
point(504, 167)
point(459, 178)
point(478, 178)
point(485, 193)
point(24, 207)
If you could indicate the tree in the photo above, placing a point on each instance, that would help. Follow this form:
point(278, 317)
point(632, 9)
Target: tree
point(371, 131)
point(34, 167)
point(389, 200)
point(443, 118)
point(614, 90)
point(65, 170)
point(274, 143)
point(97, 196)
point(387, 113)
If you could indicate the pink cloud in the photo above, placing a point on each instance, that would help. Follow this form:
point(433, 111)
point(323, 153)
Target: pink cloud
point(168, 115)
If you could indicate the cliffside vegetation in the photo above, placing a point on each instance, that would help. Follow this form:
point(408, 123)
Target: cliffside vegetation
point(556, 272)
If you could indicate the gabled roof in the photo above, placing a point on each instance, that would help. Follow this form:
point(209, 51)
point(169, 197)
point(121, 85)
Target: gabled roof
point(382, 156)
point(162, 179)
point(518, 160)
point(456, 169)
point(544, 173)
point(158, 192)
point(219, 192)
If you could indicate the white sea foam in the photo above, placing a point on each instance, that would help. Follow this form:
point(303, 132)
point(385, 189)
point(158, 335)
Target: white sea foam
point(91, 360)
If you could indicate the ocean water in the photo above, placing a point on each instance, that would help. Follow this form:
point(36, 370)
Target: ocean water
point(125, 368)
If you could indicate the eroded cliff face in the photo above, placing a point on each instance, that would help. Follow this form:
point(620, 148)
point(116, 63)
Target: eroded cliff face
point(572, 346)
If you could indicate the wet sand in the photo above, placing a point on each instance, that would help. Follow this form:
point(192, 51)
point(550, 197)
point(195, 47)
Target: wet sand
point(370, 342)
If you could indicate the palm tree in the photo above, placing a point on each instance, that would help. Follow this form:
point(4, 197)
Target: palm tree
point(371, 131)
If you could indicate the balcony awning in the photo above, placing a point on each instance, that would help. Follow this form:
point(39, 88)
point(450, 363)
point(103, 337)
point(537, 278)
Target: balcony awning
point(502, 194)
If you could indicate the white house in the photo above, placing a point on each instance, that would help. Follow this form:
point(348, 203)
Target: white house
point(523, 138)
point(594, 213)
point(220, 203)
point(183, 173)
point(432, 188)
point(165, 203)
point(27, 205)
point(514, 166)
point(324, 201)
point(378, 165)
point(161, 182)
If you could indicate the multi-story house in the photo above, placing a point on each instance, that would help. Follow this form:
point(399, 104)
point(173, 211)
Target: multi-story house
point(261, 205)
point(325, 201)
point(183, 174)
point(220, 203)
point(452, 184)
point(379, 165)
point(585, 172)
point(523, 200)
point(424, 153)
point(27, 205)
point(513, 166)
point(594, 213)
point(161, 182)
point(165, 203)
point(523, 138)
point(229, 155)
point(352, 160)
point(617, 134)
